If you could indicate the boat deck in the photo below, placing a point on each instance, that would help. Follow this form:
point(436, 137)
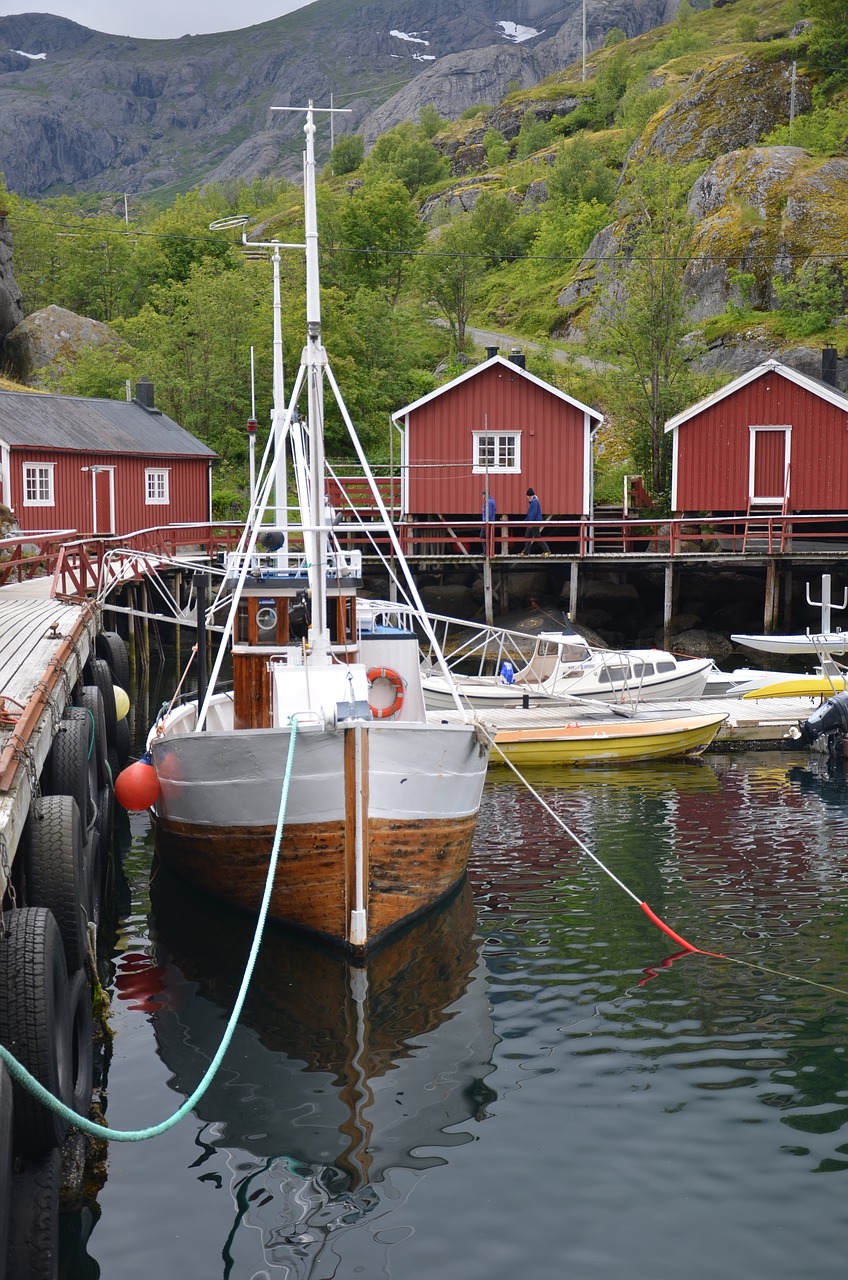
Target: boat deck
point(44, 645)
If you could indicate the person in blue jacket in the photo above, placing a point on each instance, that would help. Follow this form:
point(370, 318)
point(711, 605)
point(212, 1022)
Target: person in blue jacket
point(532, 535)
point(488, 515)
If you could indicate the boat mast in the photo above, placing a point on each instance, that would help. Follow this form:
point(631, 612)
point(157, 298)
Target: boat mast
point(315, 360)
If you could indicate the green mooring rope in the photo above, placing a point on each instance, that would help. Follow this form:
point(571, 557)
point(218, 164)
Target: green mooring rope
point(38, 1091)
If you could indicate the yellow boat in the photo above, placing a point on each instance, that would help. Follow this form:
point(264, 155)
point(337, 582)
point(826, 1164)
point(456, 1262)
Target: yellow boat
point(528, 744)
point(811, 686)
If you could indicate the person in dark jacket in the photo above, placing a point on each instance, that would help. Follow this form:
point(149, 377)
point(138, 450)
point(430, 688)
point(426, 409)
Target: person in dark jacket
point(532, 535)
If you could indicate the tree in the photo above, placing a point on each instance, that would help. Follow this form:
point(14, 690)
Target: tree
point(498, 227)
point(580, 173)
point(640, 321)
point(430, 121)
point(347, 155)
point(829, 43)
point(450, 273)
point(405, 154)
point(381, 231)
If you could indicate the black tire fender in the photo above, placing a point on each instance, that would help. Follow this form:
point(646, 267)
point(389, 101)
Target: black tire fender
point(123, 741)
point(82, 1041)
point(91, 699)
point(54, 871)
point(34, 1024)
point(97, 672)
point(93, 868)
point(34, 1219)
point(67, 772)
point(111, 648)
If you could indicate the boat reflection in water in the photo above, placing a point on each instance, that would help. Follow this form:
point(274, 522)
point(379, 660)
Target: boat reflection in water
point(338, 1072)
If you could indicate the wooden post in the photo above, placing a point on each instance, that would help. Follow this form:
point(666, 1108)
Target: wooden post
point(787, 600)
point(130, 597)
point(145, 629)
point(573, 587)
point(772, 602)
point(668, 602)
point(487, 590)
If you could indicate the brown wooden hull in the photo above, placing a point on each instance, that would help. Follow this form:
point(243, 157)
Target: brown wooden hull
point(412, 865)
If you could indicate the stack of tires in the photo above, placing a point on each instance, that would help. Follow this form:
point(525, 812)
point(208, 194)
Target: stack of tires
point(46, 948)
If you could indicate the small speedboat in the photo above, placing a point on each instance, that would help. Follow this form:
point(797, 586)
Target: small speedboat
point(562, 666)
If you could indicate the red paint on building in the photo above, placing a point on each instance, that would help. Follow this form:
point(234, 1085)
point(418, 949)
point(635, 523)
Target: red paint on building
point(538, 437)
point(772, 438)
point(99, 466)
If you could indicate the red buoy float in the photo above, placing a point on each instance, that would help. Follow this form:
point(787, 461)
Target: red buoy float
point(137, 786)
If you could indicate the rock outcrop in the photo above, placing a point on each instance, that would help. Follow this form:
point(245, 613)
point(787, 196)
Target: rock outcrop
point(49, 341)
point(10, 294)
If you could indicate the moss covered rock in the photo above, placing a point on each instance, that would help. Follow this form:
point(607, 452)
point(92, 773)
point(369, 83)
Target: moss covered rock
point(727, 104)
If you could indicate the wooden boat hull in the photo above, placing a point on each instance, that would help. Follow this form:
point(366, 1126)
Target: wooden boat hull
point(393, 805)
point(620, 743)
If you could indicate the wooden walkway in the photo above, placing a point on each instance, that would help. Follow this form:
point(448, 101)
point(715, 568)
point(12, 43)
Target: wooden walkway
point(44, 645)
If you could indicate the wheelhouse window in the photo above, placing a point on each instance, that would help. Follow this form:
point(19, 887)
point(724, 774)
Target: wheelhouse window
point(38, 484)
point(157, 486)
point(497, 451)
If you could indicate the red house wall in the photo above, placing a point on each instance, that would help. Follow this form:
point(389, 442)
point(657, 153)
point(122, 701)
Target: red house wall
point(440, 445)
point(713, 451)
point(72, 490)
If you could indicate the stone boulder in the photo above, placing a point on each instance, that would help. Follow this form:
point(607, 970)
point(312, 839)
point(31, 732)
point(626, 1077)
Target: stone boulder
point(49, 341)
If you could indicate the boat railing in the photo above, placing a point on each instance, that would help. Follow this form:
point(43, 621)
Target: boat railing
point(291, 564)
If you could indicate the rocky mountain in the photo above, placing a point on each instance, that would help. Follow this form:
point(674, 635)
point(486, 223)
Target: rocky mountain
point(85, 111)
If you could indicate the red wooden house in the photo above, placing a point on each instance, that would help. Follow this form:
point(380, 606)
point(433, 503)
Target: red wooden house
point(500, 428)
point(772, 440)
point(99, 466)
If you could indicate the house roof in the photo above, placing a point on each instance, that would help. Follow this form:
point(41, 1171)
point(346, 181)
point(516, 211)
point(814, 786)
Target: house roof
point(814, 385)
point(80, 425)
point(514, 369)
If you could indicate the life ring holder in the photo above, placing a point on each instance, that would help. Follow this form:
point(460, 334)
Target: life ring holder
point(385, 673)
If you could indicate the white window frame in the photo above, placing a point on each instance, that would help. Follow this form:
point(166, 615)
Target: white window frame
point(156, 479)
point(33, 468)
point(505, 441)
point(754, 431)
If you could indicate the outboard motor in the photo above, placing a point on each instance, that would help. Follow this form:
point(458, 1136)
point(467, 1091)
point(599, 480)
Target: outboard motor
point(830, 719)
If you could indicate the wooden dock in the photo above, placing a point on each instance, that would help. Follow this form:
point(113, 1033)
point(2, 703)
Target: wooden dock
point(44, 645)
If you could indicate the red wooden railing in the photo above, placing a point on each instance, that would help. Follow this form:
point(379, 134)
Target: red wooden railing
point(77, 565)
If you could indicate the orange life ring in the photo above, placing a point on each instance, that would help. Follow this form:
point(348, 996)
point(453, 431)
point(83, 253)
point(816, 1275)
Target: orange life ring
point(385, 673)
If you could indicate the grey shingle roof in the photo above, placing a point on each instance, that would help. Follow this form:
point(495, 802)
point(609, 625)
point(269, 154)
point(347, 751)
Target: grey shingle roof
point(92, 426)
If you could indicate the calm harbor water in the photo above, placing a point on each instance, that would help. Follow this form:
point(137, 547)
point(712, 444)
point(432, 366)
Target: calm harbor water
point(525, 1084)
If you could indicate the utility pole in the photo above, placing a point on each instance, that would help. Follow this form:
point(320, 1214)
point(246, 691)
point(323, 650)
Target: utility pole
point(583, 77)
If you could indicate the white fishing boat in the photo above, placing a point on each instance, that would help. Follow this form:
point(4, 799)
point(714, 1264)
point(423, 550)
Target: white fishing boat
point(382, 804)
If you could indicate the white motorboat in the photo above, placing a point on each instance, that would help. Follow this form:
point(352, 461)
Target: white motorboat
point(563, 667)
point(382, 804)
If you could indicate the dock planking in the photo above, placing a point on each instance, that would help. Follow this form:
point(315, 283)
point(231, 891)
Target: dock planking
point(44, 645)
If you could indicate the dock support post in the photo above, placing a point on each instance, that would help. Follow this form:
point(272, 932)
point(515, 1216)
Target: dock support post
point(772, 603)
point(668, 603)
point(573, 587)
point(487, 591)
point(145, 628)
point(131, 637)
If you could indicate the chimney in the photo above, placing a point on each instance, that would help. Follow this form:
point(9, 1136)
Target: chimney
point(517, 357)
point(144, 393)
point(828, 371)
point(490, 352)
